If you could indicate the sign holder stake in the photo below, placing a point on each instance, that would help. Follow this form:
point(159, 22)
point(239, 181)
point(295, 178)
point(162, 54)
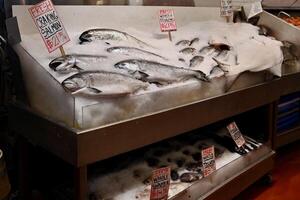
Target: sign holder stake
point(170, 35)
point(62, 51)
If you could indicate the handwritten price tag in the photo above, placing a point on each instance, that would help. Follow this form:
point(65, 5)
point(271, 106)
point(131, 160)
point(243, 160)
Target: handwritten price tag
point(208, 161)
point(226, 8)
point(167, 20)
point(236, 134)
point(49, 25)
point(160, 184)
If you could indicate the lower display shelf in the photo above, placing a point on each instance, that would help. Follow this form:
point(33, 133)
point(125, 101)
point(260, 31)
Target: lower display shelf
point(287, 137)
point(133, 181)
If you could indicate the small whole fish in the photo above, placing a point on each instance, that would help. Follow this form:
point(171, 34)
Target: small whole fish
point(196, 60)
point(183, 43)
point(161, 74)
point(194, 41)
point(132, 51)
point(108, 34)
point(190, 177)
point(188, 50)
point(74, 62)
point(102, 84)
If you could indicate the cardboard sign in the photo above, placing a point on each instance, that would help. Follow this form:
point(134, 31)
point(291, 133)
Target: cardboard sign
point(49, 25)
point(160, 184)
point(167, 20)
point(236, 134)
point(226, 8)
point(208, 161)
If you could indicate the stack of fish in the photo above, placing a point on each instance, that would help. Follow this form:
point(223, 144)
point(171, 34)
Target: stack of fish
point(288, 112)
point(126, 65)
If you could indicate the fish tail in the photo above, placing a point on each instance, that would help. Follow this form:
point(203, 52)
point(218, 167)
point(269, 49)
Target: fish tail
point(202, 76)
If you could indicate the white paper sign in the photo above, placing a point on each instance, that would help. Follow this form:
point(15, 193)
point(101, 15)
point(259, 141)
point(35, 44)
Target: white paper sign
point(226, 8)
point(49, 25)
point(236, 134)
point(253, 9)
point(167, 20)
point(208, 161)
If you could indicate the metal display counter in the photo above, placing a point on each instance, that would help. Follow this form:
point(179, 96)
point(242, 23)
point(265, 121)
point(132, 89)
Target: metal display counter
point(81, 148)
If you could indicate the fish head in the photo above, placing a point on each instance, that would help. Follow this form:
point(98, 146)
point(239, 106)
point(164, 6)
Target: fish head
point(75, 83)
point(86, 37)
point(131, 65)
point(62, 64)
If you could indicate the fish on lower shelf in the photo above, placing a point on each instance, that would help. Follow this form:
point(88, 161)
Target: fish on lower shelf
point(161, 74)
point(102, 84)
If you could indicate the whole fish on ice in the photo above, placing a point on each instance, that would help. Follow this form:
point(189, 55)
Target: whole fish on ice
point(102, 84)
point(74, 62)
point(131, 51)
point(154, 72)
point(106, 34)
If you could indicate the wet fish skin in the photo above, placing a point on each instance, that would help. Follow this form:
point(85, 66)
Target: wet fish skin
point(154, 72)
point(64, 64)
point(132, 50)
point(107, 34)
point(189, 177)
point(188, 50)
point(183, 43)
point(102, 83)
point(73, 62)
point(193, 41)
point(196, 60)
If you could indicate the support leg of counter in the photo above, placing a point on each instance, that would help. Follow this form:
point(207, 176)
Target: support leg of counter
point(81, 184)
point(24, 176)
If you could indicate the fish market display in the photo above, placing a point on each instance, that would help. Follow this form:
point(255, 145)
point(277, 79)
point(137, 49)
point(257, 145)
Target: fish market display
point(131, 178)
point(102, 83)
point(195, 55)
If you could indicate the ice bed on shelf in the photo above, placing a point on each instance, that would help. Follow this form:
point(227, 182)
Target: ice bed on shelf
point(245, 59)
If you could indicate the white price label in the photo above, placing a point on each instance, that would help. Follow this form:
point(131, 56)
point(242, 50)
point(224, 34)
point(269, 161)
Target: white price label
point(208, 161)
point(236, 134)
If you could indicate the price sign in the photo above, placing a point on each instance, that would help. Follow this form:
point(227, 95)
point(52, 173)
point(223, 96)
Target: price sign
point(49, 25)
point(236, 134)
point(208, 161)
point(226, 8)
point(160, 184)
point(167, 20)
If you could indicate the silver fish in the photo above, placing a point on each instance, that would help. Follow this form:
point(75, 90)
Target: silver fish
point(154, 72)
point(196, 60)
point(208, 50)
point(188, 50)
point(183, 43)
point(107, 34)
point(102, 84)
point(132, 50)
point(193, 41)
point(74, 62)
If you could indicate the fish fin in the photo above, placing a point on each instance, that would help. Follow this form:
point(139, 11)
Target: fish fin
point(202, 76)
point(76, 67)
point(94, 90)
point(141, 75)
point(221, 65)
